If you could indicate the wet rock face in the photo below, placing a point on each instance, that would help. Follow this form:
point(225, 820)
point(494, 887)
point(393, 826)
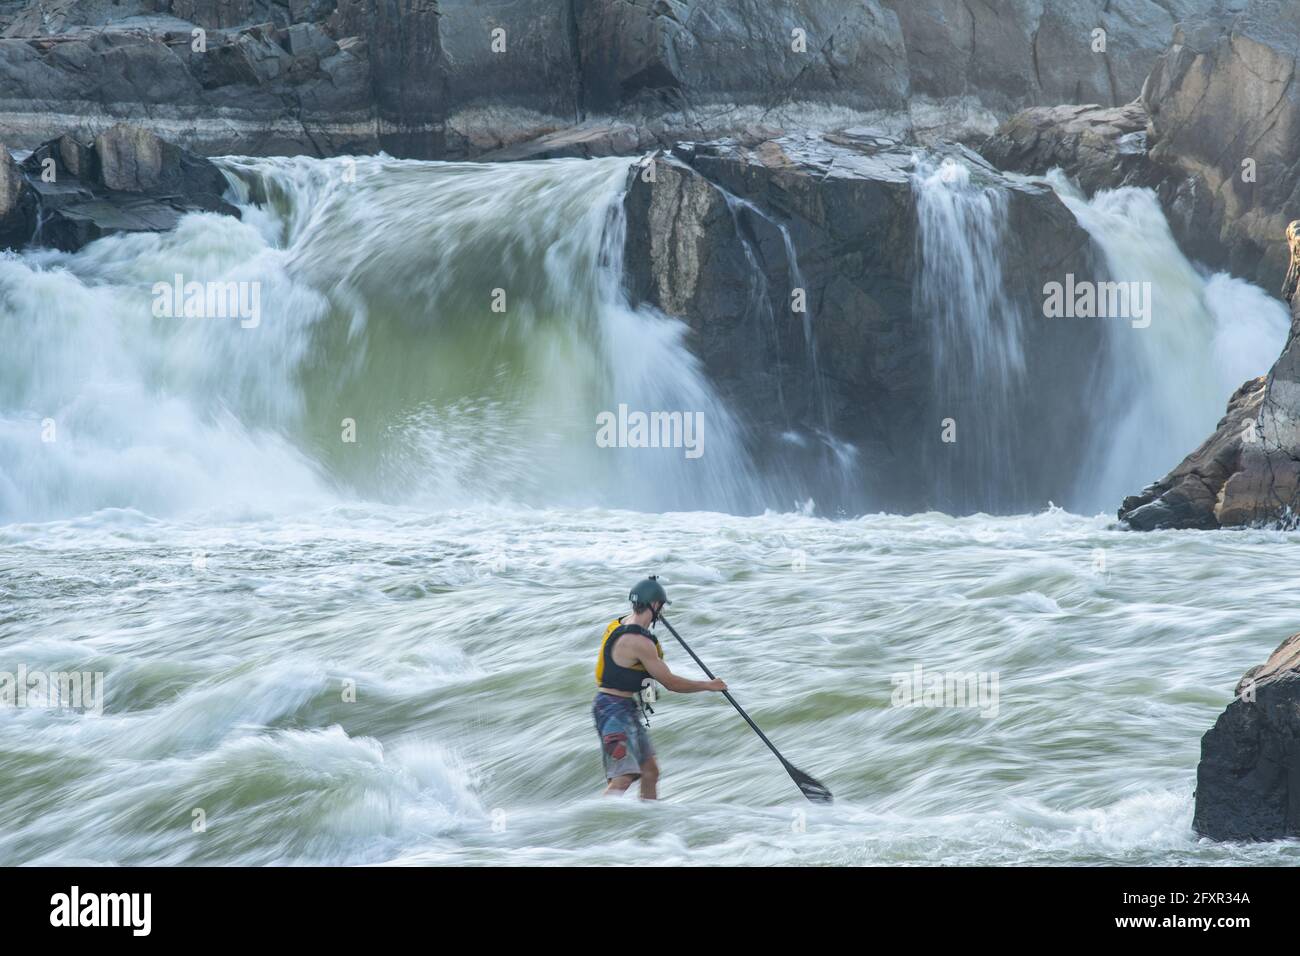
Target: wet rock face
point(17, 204)
point(71, 191)
point(653, 54)
point(454, 78)
point(1225, 114)
point(1248, 780)
point(1024, 52)
point(723, 235)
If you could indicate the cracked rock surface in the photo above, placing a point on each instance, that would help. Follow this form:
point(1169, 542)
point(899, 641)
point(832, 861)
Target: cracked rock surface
point(464, 78)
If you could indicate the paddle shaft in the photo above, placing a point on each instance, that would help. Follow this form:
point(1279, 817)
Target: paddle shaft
point(727, 694)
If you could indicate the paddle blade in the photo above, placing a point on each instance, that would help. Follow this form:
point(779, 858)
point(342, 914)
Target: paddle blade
point(814, 790)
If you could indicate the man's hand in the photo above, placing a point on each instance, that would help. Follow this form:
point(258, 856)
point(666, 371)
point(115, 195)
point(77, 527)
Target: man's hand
point(717, 684)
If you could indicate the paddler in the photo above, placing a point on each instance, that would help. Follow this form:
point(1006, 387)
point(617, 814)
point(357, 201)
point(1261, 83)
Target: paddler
point(629, 662)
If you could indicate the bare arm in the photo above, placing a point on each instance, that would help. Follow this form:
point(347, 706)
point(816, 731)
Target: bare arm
point(649, 658)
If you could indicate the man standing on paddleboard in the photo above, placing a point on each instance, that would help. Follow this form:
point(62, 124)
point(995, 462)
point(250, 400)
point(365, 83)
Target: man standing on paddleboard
point(629, 662)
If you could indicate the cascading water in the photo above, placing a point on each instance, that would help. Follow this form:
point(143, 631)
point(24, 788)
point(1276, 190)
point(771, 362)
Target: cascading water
point(466, 322)
point(1168, 381)
point(1164, 383)
point(978, 355)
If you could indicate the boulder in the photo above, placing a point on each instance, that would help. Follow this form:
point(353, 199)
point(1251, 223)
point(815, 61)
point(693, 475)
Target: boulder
point(1100, 147)
point(125, 180)
point(1189, 496)
point(1248, 780)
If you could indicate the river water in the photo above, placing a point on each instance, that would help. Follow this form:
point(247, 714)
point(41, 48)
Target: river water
point(380, 650)
point(470, 639)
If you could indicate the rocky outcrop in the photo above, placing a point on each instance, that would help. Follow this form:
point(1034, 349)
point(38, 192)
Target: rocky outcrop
point(71, 191)
point(1225, 116)
point(259, 89)
point(450, 78)
point(1189, 496)
point(727, 236)
point(1248, 780)
point(1101, 147)
point(1248, 472)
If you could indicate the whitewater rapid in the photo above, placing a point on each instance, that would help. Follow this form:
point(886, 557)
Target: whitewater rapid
point(470, 640)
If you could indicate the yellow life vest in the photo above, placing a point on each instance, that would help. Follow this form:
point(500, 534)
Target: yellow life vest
point(609, 673)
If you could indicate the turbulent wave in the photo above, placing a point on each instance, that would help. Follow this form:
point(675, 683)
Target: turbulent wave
point(469, 638)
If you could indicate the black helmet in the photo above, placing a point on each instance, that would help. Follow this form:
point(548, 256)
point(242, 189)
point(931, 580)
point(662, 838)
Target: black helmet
point(647, 592)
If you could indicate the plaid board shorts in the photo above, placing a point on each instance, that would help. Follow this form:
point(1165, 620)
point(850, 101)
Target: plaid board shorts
point(624, 741)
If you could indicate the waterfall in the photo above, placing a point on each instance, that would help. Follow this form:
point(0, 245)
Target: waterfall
point(437, 334)
point(444, 335)
point(975, 333)
point(1168, 382)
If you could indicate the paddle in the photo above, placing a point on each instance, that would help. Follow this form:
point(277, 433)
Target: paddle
point(810, 788)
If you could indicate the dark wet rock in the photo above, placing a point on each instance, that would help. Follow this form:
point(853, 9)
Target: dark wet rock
point(133, 160)
point(1188, 497)
point(707, 242)
point(1248, 780)
point(125, 180)
point(17, 204)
